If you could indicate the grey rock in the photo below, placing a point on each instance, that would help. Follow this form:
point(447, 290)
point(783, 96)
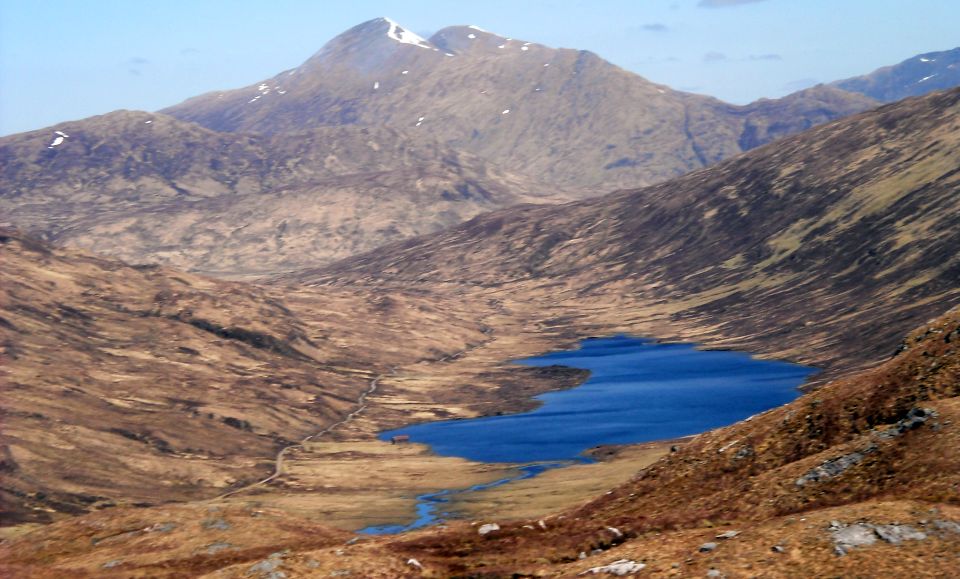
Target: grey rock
point(215, 548)
point(915, 418)
point(112, 564)
point(268, 568)
point(619, 568)
point(778, 549)
point(856, 535)
point(864, 534)
point(835, 466)
point(488, 528)
point(896, 534)
point(161, 528)
point(714, 573)
point(707, 547)
point(728, 534)
point(217, 524)
point(950, 526)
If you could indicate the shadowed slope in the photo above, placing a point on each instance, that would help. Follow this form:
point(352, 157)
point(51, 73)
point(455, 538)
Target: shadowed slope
point(832, 241)
point(146, 187)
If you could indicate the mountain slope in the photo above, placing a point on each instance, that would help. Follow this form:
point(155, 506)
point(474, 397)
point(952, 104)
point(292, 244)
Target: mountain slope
point(134, 385)
point(845, 232)
point(861, 474)
point(915, 76)
point(147, 187)
point(562, 116)
point(869, 463)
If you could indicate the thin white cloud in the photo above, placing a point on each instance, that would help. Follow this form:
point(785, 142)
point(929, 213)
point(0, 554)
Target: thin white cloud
point(714, 56)
point(655, 27)
point(724, 3)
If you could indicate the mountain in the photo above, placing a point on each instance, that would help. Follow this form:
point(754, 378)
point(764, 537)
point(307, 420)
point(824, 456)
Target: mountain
point(127, 388)
point(826, 245)
point(380, 136)
point(141, 385)
point(562, 116)
point(861, 474)
point(915, 76)
point(146, 187)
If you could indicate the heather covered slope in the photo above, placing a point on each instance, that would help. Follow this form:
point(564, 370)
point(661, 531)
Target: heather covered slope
point(561, 116)
point(861, 474)
point(146, 187)
point(826, 245)
point(879, 448)
point(129, 384)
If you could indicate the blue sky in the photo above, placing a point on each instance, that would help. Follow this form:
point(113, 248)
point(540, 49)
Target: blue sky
point(63, 60)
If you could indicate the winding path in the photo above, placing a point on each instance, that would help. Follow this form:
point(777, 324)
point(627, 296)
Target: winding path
point(361, 406)
point(278, 462)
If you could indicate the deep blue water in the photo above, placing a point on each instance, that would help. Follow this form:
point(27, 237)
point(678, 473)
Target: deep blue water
point(638, 391)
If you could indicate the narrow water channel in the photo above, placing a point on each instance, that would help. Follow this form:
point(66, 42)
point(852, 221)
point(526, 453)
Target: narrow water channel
point(638, 391)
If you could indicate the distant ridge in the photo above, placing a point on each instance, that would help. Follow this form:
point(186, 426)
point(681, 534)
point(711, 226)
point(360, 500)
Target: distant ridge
point(915, 76)
point(146, 187)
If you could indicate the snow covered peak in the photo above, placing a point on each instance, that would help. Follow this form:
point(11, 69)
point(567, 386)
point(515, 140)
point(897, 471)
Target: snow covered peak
point(404, 36)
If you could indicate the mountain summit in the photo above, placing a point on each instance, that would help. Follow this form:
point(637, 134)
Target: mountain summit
point(565, 117)
point(371, 48)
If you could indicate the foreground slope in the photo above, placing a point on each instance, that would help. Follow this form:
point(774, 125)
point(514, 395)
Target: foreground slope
point(145, 187)
point(863, 471)
point(562, 116)
point(858, 478)
point(824, 246)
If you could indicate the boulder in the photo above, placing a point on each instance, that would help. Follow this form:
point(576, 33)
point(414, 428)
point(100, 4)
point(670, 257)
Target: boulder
point(618, 568)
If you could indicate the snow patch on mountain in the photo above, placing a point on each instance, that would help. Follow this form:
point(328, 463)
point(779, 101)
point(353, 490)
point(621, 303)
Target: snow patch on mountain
point(58, 140)
point(404, 36)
